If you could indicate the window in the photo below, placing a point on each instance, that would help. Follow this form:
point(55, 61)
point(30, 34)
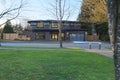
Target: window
point(66, 24)
point(72, 24)
point(40, 24)
point(40, 36)
point(77, 24)
point(33, 24)
point(54, 36)
point(54, 25)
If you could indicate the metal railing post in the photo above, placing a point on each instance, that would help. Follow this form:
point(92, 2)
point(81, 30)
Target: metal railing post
point(90, 46)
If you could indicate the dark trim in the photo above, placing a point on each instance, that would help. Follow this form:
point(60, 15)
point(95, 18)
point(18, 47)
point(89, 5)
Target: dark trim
point(37, 30)
point(52, 21)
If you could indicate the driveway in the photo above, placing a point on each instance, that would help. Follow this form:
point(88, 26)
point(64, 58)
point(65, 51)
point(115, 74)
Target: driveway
point(107, 53)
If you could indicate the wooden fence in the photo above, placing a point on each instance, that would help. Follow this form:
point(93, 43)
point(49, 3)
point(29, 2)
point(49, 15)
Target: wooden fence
point(14, 36)
point(92, 38)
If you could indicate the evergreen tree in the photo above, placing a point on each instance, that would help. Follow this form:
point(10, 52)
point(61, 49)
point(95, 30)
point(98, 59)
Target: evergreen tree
point(8, 28)
point(18, 29)
point(93, 11)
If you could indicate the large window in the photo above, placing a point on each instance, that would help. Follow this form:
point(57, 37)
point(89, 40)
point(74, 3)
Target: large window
point(54, 36)
point(40, 36)
point(54, 24)
point(40, 24)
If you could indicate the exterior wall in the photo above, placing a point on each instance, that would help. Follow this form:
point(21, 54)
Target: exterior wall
point(47, 36)
point(33, 36)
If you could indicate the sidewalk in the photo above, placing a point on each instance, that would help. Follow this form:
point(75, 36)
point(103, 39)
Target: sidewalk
point(107, 53)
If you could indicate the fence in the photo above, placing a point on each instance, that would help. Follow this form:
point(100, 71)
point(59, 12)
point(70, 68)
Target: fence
point(14, 36)
point(92, 38)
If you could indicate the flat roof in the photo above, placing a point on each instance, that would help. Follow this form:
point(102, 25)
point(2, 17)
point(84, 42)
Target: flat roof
point(51, 21)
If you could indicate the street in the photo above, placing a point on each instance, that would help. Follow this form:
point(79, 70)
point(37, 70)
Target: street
point(83, 45)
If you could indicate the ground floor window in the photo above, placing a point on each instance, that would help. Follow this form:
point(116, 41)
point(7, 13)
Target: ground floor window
point(40, 36)
point(54, 36)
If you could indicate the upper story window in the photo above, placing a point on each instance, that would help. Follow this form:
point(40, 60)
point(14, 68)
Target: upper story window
point(66, 24)
point(78, 24)
point(54, 24)
point(33, 24)
point(40, 24)
point(72, 24)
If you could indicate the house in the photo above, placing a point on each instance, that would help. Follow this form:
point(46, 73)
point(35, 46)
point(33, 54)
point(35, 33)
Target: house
point(48, 30)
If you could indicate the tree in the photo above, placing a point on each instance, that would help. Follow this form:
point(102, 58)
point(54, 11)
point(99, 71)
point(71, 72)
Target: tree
point(11, 12)
point(18, 29)
point(114, 31)
point(8, 28)
point(94, 12)
point(102, 31)
point(60, 10)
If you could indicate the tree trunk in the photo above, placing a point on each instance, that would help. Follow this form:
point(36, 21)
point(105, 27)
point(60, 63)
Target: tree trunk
point(60, 23)
point(114, 27)
point(117, 42)
point(60, 33)
point(93, 31)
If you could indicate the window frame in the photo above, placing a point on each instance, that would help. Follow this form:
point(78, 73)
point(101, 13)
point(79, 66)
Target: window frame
point(40, 24)
point(54, 25)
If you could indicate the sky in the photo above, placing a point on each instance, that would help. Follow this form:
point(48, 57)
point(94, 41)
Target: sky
point(38, 10)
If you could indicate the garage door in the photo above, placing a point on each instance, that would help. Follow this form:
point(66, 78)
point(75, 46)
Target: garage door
point(77, 37)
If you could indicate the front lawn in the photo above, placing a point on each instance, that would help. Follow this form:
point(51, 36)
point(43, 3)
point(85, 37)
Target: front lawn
point(54, 65)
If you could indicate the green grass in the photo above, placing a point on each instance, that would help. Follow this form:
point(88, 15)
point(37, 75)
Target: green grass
point(54, 65)
point(38, 48)
point(29, 47)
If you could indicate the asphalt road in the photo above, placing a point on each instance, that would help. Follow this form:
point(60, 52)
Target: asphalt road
point(84, 45)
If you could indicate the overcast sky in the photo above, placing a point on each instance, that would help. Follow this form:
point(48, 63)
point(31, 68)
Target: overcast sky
point(39, 9)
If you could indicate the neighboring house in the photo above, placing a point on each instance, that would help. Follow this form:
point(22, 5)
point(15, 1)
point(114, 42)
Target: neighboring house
point(48, 30)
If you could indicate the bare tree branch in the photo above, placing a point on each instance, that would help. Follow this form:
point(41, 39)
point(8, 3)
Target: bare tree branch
point(14, 12)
